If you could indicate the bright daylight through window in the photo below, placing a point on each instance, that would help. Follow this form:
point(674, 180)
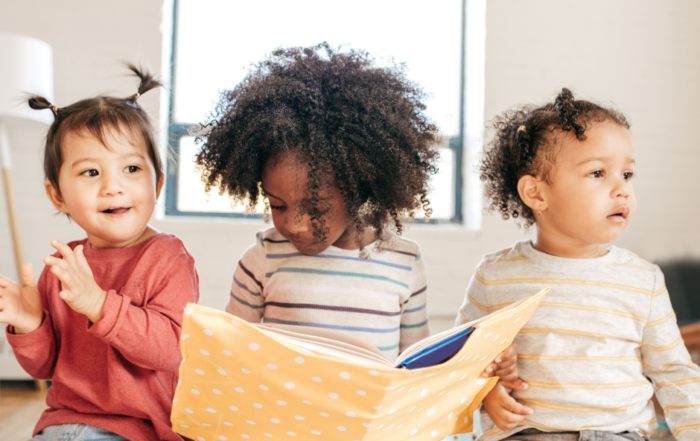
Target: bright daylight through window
point(213, 52)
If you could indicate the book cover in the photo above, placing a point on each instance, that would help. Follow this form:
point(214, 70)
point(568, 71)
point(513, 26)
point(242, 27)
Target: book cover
point(238, 381)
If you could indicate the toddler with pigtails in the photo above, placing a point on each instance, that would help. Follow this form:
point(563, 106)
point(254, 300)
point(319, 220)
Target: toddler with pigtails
point(604, 340)
point(103, 322)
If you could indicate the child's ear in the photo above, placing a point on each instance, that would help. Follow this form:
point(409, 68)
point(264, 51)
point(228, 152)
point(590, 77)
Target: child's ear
point(530, 191)
point(56, 199)
point(159, 186)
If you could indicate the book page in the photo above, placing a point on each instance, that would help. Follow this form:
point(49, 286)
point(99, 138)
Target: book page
point(240, 382)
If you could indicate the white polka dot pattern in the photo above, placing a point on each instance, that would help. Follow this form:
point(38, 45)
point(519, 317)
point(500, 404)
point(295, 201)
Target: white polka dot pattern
point(238, 382)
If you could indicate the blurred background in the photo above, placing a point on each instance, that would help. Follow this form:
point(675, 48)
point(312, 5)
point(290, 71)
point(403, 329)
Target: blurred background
point(475, 58)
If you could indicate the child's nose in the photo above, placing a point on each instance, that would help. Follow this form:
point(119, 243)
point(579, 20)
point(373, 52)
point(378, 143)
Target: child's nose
point(299, 223)
point(622, 189)
point(111, 186)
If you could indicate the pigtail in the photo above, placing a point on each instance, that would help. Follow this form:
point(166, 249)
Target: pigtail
point(569, 114)
point(148, 81)
point(37, 102)
point(522, 146)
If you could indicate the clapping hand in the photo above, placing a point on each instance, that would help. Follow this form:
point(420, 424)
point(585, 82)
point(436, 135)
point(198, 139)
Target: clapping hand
point(79, 289)
point(20, 306)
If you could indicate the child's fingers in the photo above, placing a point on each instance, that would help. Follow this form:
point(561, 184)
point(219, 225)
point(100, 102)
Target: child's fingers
point(63, 275)
point(81, 260)
point(504, 364)
point(65, 251)
point(67, 296)
point(4, 282)
point(27, 275)
point(518, 409)
point(516, 384)
point(507, 374)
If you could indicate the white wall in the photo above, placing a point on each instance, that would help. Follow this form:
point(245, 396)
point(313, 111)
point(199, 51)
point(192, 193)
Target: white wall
point(642, 55)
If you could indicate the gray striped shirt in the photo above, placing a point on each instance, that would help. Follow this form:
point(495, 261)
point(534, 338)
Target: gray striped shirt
point(381, 299)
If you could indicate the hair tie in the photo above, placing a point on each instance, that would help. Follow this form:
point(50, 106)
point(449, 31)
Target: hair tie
point(136, 96)
point(54, 109)
point(522, 129)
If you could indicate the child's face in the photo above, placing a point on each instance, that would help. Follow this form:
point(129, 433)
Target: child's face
point(109, 192)
point(590, 199)
point(284, 182)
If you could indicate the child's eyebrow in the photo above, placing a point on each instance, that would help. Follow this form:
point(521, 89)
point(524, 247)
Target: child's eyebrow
point(124, 156)
point(602, 159)
point(75, 163)
point(268, 194)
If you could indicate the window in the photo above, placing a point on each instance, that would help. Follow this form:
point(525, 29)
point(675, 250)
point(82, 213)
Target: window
point(215, 42)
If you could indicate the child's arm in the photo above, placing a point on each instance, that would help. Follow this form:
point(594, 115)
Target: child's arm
point(414, 318)
point(668, 364)
point(246, 297)
point(31, 331)
point(475, 306)
point(148, 335)
point(504, 410)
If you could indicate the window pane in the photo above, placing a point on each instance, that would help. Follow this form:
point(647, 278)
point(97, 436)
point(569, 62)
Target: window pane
point(190, 188)
point(215, 49)
point(217, 40)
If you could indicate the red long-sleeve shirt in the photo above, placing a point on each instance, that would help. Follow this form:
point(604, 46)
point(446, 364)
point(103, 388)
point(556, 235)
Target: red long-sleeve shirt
point(120, 373)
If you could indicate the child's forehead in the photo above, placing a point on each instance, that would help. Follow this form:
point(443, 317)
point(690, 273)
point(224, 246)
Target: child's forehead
point(102, 142)
point(605, 141)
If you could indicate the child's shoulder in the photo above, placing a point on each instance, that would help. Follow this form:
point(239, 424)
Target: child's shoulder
point(165, 241)
point(635, 269)
point(630, 260)
point(515, 253)
point(401, 245)
point(271, 238)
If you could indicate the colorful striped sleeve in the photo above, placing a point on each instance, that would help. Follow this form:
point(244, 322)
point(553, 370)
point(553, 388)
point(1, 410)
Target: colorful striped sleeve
point(414, 317)
point(246, 298)
point(668, 364)
point(475, 304)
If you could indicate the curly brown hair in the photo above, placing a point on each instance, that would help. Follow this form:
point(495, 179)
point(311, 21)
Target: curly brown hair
point(526, 142)
point(357, 126)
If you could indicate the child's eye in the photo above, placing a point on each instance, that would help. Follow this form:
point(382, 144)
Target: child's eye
point(131, 169)
point(596, 174)
point(276, 207)
point(91, 173)
point(628, 175)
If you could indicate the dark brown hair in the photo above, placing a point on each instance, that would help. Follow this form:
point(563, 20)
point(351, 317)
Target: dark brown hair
point(96, 116)
point(356, 125)
point(526, 142)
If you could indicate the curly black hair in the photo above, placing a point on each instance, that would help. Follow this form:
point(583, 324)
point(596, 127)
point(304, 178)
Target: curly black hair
point(358, 126)
point(525, 143)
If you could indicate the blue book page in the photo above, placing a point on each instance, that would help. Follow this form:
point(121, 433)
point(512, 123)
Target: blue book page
point(439, 352)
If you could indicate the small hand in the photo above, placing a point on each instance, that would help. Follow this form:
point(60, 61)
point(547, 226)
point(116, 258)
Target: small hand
point(504, 410)
point(20, 306)
point(505, 367)
point(79, 289)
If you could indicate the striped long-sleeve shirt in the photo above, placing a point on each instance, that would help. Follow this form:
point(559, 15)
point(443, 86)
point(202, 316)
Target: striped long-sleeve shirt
point(381, 299)
point(602, 341)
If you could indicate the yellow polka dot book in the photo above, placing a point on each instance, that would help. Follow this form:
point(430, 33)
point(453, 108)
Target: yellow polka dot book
point(246, 381)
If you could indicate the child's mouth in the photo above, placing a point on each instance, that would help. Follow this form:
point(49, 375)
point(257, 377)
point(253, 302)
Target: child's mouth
point(620, 215)
point(120, 210)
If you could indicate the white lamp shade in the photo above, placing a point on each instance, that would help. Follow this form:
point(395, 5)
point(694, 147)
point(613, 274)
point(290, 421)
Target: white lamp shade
point(27, 68)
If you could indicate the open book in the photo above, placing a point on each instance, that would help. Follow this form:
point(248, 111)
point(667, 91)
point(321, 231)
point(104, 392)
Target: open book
point(249, 381)
point(427, 352)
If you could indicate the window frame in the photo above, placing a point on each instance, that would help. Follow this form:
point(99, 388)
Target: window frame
point(176, 131)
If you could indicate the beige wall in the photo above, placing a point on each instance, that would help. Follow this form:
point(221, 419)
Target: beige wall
point(644, 56)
